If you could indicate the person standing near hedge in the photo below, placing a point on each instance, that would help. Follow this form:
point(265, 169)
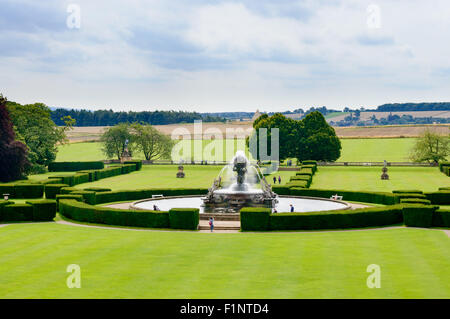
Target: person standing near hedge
point(211, 224)
point(292, 208)
point(274, 179)
point(279, 179)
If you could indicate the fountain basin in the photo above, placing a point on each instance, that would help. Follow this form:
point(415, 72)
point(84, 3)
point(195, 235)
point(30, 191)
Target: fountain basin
point(301, 205)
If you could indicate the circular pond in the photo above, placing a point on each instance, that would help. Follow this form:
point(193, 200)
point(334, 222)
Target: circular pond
point(301, 204)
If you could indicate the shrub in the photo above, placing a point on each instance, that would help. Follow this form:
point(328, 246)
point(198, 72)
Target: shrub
point(410, 195)
point(91, 174)
point(88, 196)
point(74, 166)
point(363, 217)
point(75, 197)
point(17, 212)
point(281, 190)
point(441, 218)
point(439, 198)
point(51, 190)
point(298, 183)
point(184, 218)
point(97, 189)
point(2, 205)
point(68, 190)
point(137, 163)
point(111, 216)
point(255, 218)
point(305, 171)
point(415, 201)
point(108, 172)
point(7, 189)
point(407, 192)
point(312, 167)
point(442, 165)
point(416, 215)
point(22, 190)
point(43, 210)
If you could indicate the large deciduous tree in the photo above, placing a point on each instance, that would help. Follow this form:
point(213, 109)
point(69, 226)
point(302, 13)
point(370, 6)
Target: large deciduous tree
point(114, 140)
point(154, 144)
point(13, 154)
point(431, 147)
point(309, 139)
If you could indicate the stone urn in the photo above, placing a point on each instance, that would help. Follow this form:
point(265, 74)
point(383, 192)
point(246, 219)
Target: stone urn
point(180, 173)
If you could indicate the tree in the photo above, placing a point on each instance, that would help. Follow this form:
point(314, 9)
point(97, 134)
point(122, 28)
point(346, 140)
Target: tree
point(151, 142)
point(33, 125)
point(114, 140)
point(311, 138)
point(431, 147)
point(13, 159)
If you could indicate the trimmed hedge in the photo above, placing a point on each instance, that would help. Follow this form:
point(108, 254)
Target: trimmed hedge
point(298, 184)
point(88, 196)
point(108, 172)
point(439, 198)
point(184, 218)
point(137, 163)
point(43, 210)
point(97, 189)
point(444, 188)
point(410, 195)
point(415, 201)
point(416, 215)
point(74, 166)
point(78, 198)
point(17, 212)
point(255, 218)
point(441, 218)
point(68, 190)
point(7, 189)
point(442, 165)
point(51, 190)
point(2, 205)
point(22, 190)
point(281, 190)
point(312, 167)
point(309, 162)
point(363, 217)
point(407, 192)
point(111, 216)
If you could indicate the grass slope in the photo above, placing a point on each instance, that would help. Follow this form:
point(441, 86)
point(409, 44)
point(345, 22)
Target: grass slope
point(133, 264)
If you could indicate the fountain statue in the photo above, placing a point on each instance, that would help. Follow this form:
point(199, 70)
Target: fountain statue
point(239, 184)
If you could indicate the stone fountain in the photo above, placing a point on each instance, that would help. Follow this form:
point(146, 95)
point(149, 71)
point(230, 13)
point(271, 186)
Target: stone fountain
point(239, 184)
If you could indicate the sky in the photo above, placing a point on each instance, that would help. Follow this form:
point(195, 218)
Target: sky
point(221, 56)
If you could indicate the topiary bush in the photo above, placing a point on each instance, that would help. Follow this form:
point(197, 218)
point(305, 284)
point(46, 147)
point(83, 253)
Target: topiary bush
point(441, 218)
point(415, 201)
point(439, 198)
point(22, 190)
point(51, 190)
point(104, 215)
point(17, 212)
point(416, 215)
point(363, 217)
point(43, 210)
point(184, 218)
point(255, 218)
point(74, 166)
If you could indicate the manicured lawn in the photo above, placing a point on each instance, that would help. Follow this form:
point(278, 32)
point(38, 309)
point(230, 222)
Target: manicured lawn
point(368, 178)
point(376, 150)
point(134, 264)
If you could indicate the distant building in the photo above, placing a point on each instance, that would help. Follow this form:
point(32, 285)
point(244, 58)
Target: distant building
point(256, 115)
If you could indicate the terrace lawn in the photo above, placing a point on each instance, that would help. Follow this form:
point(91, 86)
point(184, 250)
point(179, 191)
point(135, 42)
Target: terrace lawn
point(368, 178)
point(376, 149)
point(136, 264)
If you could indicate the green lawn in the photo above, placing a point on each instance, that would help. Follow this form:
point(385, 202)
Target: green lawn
point(376, 149)
point(368, 178)
point(353, 150)
point(132, 264)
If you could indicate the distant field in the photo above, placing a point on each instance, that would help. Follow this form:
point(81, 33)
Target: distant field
point(353, 150)
point(389, 130)
point(368, 178)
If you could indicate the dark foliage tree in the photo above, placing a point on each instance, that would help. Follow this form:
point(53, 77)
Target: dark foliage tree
point(13, 154)
point(115, 139)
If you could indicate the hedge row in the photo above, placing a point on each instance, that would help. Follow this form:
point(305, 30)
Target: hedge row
point(74, 166)
point(22, 190)
point(137, 163)
point(187, 218)
point(357, 196)
point(439, 198)
point(414, 191)
point(38, 210)
point(412, 215)
point(442, 166)
point(415, 201)
point(51, 190)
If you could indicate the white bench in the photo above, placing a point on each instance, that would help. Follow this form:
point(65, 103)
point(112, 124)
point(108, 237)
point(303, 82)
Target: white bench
point(336, 197)
point(157, 196)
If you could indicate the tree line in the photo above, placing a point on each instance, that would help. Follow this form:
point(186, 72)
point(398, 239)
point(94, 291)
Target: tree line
point(398, 107)
point(111, 118)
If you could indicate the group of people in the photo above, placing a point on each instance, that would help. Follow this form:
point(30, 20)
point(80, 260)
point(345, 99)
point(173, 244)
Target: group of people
point(275, 179)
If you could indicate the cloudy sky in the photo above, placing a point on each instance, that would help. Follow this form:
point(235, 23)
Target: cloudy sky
point(224, 55)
